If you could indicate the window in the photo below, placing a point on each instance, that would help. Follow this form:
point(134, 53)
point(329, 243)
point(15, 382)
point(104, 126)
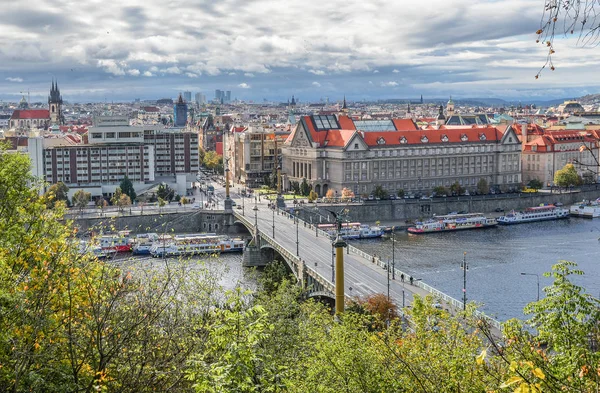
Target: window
point(356, 145)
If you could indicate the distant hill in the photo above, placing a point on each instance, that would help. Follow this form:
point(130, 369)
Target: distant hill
point(589, 99)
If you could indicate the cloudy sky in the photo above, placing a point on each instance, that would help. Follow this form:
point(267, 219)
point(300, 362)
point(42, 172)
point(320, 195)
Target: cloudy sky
point(270, 49)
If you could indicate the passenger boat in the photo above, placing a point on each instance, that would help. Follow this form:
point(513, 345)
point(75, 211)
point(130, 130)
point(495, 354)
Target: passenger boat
point(232, 245)
point(119, 242)
point(453, 222)
point(533, 214)
point(206, 243)
point(587, 209)
point(97, 251)
point(142, 243)
point(352, 230)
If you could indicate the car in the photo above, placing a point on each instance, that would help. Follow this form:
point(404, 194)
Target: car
point(196, 206)
point(233, 203)
point(392, 197)
point(371, 197)
point(499, 209)
point(558, 204)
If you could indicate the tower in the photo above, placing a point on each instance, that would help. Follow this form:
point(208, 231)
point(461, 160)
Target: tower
point(345, 107)
point(408, 114)
point(450, 107)
point(180, 112)
point(441, 119)
point(55, 104)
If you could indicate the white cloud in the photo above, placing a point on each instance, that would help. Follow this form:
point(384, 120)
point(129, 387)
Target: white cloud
point(14, 79)
point(317, 72)
point(111, 66)
point(191, 75)
point(232, 73)
point(249, 74)
point(316, 84)
point(133, 72)
point(171, 70)
point(244, 85)
point(148, 74)
point(395, 71)
point(389, 84)
point(376, 72)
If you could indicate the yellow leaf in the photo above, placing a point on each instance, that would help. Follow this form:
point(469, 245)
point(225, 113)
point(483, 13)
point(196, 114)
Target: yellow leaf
point(511, 381)
point(481, 357)
point(538, 373)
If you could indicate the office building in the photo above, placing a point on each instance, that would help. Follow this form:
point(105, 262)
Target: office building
point(180, 113)
point(187, 96)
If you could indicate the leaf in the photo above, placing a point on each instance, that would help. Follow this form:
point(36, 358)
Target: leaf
point(538, 373)
point(481, 358)
point(511, 381)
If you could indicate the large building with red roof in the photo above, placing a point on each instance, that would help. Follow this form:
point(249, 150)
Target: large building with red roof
point(26, 119)
point(333, 153)
point(546, 152)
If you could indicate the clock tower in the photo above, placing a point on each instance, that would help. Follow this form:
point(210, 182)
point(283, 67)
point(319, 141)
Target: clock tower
point(55, 105)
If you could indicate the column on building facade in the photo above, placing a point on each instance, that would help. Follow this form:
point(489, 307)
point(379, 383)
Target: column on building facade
point(310, 171)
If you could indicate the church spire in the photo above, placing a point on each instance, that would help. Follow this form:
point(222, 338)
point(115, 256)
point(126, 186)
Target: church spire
point(345, 106)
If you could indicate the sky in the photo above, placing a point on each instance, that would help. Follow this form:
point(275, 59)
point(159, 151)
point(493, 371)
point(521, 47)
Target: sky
point(102, 50)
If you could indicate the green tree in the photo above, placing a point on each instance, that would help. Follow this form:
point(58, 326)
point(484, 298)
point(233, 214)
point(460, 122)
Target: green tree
point(81, 198)
point(440, 190)
point(379, 192)
point(567, 176)
point(482, 186)
point(457, 189)
point(161, 203)
point(400, 193)
point(127, 188)
point(536, 184)
point(56, 192)
point(165, 192)
point(295, 187)
point(213, 161)
point(304, 188)
point(312, 196)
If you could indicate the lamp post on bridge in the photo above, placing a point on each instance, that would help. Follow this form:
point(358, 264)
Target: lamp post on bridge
point(332, 264)
point(297, 238)
point(464, 267)
point(393, 255)
point(273, 223)
point(243, 205)
point(339, 245)
point(537, 276)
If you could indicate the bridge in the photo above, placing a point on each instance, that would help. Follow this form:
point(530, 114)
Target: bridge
point(309, 253)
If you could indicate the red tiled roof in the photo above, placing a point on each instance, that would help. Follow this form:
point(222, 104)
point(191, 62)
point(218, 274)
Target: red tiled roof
point(30, 114)
point(417, 137)
point(346, 123)
point(405, 124)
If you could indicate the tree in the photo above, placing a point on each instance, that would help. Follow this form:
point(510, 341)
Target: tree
point(165, 192)
point(483, 186)
point(120, 199)
point(400, 193)
point(440, 190)
point(567, 17)
point(161, 203)
point(81, 198)
point(295, 187)
point(379, 192)
point(57, 192)
point(347, 194)
point(213, 161)
point(457, 189)
point(312, 196)
point(536, 184)
point(127, 188)
point(567, 176)
point(330, 194)
point(304, 188)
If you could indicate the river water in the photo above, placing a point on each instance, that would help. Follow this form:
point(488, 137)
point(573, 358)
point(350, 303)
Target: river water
point(495, 257)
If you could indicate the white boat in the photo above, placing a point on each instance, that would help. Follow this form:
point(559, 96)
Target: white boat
point(352, 230)
point(142, 243)
point(100, 253)
point(453, 222)
point(587, 209)
point(533, 214)
point(232, 245)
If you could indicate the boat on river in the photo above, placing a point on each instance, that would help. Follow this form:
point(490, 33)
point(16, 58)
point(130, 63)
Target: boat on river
point(453, 222)
point(533, 214)
point(352, 230)
point(119, 242)
point(587, 209)
point(195, 244)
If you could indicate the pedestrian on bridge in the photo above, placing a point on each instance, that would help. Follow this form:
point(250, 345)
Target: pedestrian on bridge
point(411, 280)
point(402, 277)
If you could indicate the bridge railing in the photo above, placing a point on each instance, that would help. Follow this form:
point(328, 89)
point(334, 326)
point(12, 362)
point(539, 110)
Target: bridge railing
point(288, 255)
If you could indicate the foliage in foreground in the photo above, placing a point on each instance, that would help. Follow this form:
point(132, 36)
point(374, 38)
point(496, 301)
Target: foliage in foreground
point(70, 323)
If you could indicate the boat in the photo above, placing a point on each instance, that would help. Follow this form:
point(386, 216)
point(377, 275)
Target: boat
point(587, 209)
point(352, 230)
point(142, 243)
point(232, 245)
point(533, 214)
point(182, 245)
point(119, 242)
point(87, 248)
point(453, 222)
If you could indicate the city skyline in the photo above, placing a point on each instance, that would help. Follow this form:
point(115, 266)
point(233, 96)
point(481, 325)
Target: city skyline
point(271, 50)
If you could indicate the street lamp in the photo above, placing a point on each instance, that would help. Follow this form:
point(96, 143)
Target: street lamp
point(332, 263)
point(297, 239)
point(273, 223)
point(538, 282)
point(393, 255)
point(243, 203)
point(464, 267)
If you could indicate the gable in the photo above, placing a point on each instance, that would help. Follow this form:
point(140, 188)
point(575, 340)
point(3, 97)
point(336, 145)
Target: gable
point(509, 137)
point(301, 137)
point(356, 143)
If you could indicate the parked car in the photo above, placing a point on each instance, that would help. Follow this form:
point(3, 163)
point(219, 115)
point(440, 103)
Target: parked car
point(392, 196)
point(499, 209)
point(371, 197)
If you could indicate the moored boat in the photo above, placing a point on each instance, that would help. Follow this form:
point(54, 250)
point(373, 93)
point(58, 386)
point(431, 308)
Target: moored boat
point(533, 214)
point(119, 242)
point(232, 245)
point(352, 230)
point(453, 222)
point(587, 209)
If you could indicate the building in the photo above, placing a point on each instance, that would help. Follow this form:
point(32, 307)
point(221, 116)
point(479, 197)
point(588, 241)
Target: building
point(114, 149)
point(55, 105)
point(180, 113)
point(333, 153)
point(218, 95)
point(254, 152)
point(200, 99)
point(27, 119)
point(187, 96)
point(545, 154)
point(228, 96)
